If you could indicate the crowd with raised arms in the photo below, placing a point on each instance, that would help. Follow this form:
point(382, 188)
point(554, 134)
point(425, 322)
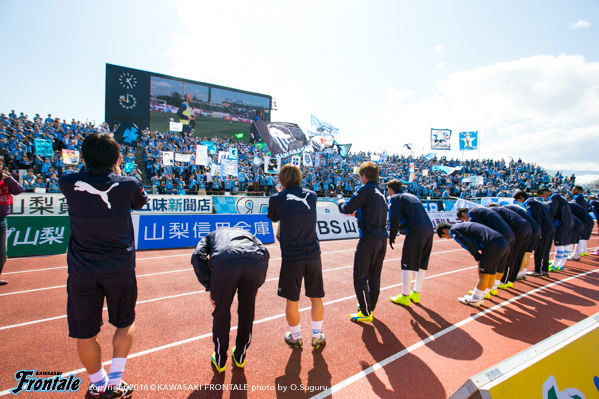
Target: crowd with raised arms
point(18, 133)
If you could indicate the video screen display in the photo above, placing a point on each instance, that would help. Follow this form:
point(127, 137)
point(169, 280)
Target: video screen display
point(152, 100)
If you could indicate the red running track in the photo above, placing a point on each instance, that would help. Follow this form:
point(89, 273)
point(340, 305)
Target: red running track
point(425, 351)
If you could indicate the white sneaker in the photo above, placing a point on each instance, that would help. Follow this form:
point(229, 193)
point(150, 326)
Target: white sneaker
point(469, 300)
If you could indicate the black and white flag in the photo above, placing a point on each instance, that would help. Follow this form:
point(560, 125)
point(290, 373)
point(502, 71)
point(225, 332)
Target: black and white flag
point(282, 139)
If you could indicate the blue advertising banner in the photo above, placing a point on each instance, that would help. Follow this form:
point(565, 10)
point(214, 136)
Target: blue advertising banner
point(180, 231)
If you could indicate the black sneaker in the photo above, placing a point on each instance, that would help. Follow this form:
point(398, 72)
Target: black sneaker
point(3, 282)
point(123, 391)
point(93, 393)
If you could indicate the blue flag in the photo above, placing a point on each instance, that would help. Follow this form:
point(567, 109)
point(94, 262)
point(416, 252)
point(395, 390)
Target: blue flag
point(468, 141)
point(127, 134)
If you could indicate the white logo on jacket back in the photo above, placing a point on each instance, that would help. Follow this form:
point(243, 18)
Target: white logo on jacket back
point(293, 197)
point(83, 186)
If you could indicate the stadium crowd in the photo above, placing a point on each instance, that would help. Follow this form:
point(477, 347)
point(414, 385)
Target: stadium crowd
point(18, 132)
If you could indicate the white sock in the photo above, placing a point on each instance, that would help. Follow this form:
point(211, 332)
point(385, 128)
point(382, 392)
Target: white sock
point(485, 292)
point(99, 379)
point(577, 250)
point(523, 271)
point(316, 329)
point(496, 284)
point(559, 250)
point(584, 248)
point(296, 332)
point(406, 278)
point(478, 294)
point(117, 367)
point(419, 280)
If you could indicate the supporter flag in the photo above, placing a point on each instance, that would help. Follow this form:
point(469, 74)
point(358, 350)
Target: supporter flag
point(221, 155)
point(127, 134)
point(323, 127)
point(282, 139)
point(356, 170)
point(295, 160)
point(468, 141)
point(272, 165)
point(233, 153)
point(320, 160)
point(343, 149)
point(239, 135)
point(462, 203)
point(440, 139)
point(43, 148)
point(412, 172)
point(70, 157)
point(229, 167)
point(186, 158)
point(447, 169)
point(257, 160)
point(308, 159)
point(375, 157)
point(430, 156)
point(214, 169)
point(408, 146)
point(129, 166)
point(168, 157)
point(201, 155)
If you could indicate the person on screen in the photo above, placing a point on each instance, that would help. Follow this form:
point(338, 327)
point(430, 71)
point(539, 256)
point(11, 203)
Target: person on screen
point(186, 115)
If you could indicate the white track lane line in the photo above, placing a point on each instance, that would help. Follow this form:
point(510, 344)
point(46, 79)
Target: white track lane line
point(372, 368)
point(164, 257)
point(356, 377)
point(176, 295)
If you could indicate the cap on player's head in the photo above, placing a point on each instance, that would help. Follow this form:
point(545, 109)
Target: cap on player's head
point(99, 151)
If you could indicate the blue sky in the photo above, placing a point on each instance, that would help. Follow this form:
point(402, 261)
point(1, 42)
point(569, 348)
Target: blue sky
point(524, 74)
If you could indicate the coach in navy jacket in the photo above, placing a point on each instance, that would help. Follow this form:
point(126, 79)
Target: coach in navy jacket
point(226, 261)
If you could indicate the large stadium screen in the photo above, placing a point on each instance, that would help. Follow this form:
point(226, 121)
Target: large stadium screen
point(152, 100)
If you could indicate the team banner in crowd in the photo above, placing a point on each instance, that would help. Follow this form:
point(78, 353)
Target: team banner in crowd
point(182, 231)
point(440, 139)
point(296, 160)
point(447, 169)
point(168, 157)
point(468, 141)
point(186, 158)
point(233, 153)
point(308, 160)
point(222, 155)
point(282, 138)
point(129, 167)
point(272, 165)
point(323, 127)
point(412, 172)
point(343, 149)
point(323, 143)
point(462, 203)
point(201, 155)
point(70, 157)
point(229, 167)
point(43, 147)
point(320, 160)
point(498, 200)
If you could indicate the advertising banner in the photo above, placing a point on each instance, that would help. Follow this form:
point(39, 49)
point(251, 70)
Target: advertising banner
point(181, 231)
point(31, 236)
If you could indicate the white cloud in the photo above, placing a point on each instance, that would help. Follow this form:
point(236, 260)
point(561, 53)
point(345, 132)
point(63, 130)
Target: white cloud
point(580, 24)
point(542, 109)
point(440, 50)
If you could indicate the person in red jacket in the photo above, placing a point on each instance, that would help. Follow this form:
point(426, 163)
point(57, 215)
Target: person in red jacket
point(8, 188)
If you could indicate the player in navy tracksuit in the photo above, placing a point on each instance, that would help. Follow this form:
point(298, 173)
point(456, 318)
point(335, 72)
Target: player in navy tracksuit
point(490, 219)
point(537, 210)
point(370, 207)
point(226, 261)
point(562, 218)
point(101, 260)
point(594, 207)
point(581, 232)
point(407, 212)
point(522, 231)
point(295, 210)
point(489, 248)
point(578, 197)
point(533, 242)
